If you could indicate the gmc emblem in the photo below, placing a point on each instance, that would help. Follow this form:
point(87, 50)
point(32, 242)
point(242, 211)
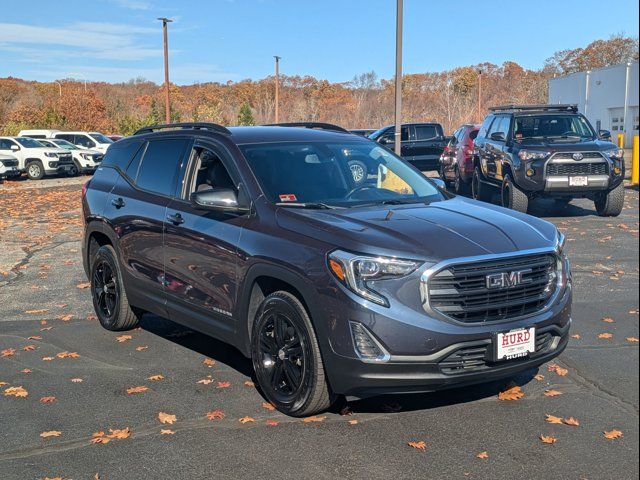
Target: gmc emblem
point(508, 279)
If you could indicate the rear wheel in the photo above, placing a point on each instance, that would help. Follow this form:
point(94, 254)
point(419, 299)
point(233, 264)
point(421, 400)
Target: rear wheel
point(512, 197)
point(35, 170)
point(610, 204)
point(461, 187)
point(286, 357)
point(479, 190)
point(109, 298)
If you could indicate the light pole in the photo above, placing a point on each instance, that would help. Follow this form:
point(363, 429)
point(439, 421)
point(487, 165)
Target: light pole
point(398, 132)
point(479, 95)
point(165, 41)
point(59, 88)
point(277, 87)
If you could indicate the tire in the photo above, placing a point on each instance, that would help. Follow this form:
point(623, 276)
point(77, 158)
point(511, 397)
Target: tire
point(35, 170)
point(359, 172)
point(460, 186)
point(479, 191)
point(76, 170)
point(512, 197)
point(110, 303)
point(610, 204)
point(291, 377)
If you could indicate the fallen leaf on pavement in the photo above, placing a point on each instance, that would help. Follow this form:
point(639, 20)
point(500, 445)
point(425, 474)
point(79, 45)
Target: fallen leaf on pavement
point(205, 381)
point(353, 422)
point(552, 393)
point(123, 338)
point(51, 433)
point(482, 455)
point(139, 389)
point(121, 433)
point(35, 312)
point(25, 370)
point(244, 420)
point(511, 394)
point(613, 434)
point(249, 383)
point(605, 336)
point(272, 423)
point(166, 418)
point(47, 399)
point(155, 378)
point(9, 352)
point(15, 392)
point(418, 445)
point(76, 380)
point(29, 348)
point(548, 439)
point(268, 406)
point(209, 362)
point(632, 339)
point(215, 415)
point(572, 422)
point(539, 377)
point(67, 355)
point(166, 431)
point(314, 419)
point(576, 336)
point(83, 286)
point(224, 384)
point(608, 320)
point(552, 419)
point(562, 372)
point(141, 348)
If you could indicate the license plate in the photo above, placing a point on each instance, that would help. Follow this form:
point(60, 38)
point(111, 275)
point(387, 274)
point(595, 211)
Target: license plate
point(578, 181)
point(515, 344)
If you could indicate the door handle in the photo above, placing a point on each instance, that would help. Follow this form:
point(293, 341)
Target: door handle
point(176, 219)
point(118, 203)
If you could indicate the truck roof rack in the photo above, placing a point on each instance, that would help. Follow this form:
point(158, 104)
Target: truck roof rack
point(214, 127)
point(541, 107)
point(311, 125)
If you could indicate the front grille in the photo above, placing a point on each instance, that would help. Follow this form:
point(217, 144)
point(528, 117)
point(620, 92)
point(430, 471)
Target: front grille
point(460, 291)
point(577, 168)
point(569, 155)
point(64, 159)
point(478, 358)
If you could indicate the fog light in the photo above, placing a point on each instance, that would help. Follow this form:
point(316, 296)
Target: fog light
point(367, 348)
point(617, 170)
point(531, 172)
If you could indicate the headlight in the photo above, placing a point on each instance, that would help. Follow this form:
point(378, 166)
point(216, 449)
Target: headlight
point(85, 156)
point(561, 241)
point(532, 155)
point(615, 153)
point(51, 154)
point(357, 271)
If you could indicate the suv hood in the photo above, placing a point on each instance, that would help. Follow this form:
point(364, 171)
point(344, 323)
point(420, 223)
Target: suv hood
point(442, 230)
point(566, 145)
point(48, 150)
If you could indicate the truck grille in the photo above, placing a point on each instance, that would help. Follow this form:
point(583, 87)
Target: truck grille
point(477, 358)
point(64, 159)
point(569, 155)
point(577, 168)
point(460, 292)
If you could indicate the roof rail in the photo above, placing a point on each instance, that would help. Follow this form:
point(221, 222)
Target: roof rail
point(543, 107)
point(186, 125)
point(311, 125)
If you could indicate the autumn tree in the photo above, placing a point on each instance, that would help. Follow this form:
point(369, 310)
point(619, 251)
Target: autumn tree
point(245, 116)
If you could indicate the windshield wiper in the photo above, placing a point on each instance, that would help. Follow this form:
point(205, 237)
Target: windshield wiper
point(309, 205)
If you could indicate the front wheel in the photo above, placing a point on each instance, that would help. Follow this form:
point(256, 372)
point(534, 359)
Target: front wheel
point(286, 357)
point(512, 197)
point(610, 204)
point(35, 170)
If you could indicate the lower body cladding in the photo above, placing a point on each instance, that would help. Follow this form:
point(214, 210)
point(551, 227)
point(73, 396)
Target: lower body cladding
point(456, 355)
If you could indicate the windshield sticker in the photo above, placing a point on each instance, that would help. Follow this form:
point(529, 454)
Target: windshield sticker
point(290, 197)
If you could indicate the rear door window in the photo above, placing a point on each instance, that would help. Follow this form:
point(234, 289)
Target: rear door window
point(160, 164)
point(426, 132)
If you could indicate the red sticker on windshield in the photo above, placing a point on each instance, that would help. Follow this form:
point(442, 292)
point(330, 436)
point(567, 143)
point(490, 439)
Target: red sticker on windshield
point(288, 198)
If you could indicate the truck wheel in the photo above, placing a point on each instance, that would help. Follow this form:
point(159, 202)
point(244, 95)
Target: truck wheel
point(286, 357)
point(610, 204)
point(35, 170)
point(480, 191)
point(75, 170)
point(512, 197)
point(461, 187)
point(109, 298)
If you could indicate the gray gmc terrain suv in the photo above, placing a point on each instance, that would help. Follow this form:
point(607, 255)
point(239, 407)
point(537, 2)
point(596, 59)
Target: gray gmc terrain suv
point(261, 237)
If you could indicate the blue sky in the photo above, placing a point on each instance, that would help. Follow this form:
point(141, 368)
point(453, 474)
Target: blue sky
point(221, 40)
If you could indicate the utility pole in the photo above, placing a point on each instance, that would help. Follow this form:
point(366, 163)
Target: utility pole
point(165, 41)
point(479, 95)
point(398, 132)
point(59, 88)
point(277, 88)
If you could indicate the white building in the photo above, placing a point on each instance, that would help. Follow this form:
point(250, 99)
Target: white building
point(608, 97)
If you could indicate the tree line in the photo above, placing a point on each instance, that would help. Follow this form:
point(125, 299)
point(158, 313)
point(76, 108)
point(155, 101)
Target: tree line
point(450, 97)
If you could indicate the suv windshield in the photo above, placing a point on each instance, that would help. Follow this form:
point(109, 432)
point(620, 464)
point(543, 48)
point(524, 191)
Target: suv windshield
point(336, 174)
point(552, 126)
point(29, 142)
point(100, 138)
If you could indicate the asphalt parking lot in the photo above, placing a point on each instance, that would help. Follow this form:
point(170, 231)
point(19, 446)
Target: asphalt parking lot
point(64, 380)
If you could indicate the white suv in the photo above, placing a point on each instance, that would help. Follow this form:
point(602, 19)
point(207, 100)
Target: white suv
point(89, 140)
point(8, 167)
point(86, 161)
point(36, 159)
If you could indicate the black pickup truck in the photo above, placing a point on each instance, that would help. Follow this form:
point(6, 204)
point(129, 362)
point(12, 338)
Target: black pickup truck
point(422, 143)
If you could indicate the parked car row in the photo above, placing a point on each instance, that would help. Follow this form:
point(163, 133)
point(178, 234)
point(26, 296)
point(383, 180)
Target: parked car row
point(40, 153)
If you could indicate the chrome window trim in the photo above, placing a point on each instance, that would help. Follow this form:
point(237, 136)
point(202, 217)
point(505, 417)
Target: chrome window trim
point(438, 267)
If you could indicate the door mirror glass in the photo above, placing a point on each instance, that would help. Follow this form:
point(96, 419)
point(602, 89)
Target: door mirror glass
point(386, 140)
point(498, 136)
point(604, 134)
point(15, 148)
point(224, 199)
point(439, 183)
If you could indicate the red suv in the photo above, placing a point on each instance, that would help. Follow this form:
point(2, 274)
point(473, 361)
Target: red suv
point(456, 162)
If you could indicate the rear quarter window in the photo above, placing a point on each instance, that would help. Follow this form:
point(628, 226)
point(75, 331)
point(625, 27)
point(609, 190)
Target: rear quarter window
point(426, 132)
point(119, 156)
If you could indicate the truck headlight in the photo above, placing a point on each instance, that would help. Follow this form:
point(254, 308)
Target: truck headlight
point(532, 155)
point(357, 271)
point(615, 153)
point(86, 156)
point(50, 154)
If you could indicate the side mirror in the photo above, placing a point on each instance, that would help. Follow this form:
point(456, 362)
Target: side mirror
point(222, 199)
point(15, 148)
point(439, 183)
point(498, 136)
point(604, 134)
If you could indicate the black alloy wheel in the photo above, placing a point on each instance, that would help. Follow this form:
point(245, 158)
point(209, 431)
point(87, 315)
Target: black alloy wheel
point(105, 290)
